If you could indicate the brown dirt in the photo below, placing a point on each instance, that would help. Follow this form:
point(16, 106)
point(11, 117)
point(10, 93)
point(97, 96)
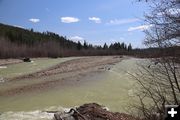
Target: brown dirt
point(70, 72)
point(74, 65)
point(93, 111)
point(9, 61)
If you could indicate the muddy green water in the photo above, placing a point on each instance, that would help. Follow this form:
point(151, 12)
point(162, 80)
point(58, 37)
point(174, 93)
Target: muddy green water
point(113, 88)
point(30, 67)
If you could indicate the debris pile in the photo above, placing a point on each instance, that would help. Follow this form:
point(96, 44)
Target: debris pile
point(92, 111)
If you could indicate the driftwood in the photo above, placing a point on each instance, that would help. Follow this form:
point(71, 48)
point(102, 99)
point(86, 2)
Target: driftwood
point(76, 113)
point(91, 111)
point(51, 111)
point(71, 115)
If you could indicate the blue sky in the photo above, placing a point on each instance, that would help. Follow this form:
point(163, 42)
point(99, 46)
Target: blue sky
point(96, 21)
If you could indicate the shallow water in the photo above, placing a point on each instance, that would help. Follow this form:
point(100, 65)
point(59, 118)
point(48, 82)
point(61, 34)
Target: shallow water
point(112, 88)
point(10, 71)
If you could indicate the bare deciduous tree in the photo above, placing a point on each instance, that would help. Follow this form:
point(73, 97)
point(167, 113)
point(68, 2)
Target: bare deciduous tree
point(159, 82)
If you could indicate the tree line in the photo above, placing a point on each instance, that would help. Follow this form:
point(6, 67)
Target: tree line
point(18, 42)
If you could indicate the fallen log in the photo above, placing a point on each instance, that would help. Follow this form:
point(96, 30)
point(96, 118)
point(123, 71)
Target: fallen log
point(51, 111)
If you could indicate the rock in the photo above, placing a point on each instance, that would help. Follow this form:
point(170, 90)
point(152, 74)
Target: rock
point(26, 59)
point(63, 116)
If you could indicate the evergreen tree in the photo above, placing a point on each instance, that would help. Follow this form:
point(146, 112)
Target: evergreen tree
point(105, 47)
point(129, 47)
point(123, 46)
point(85, 45)
point(79, 46)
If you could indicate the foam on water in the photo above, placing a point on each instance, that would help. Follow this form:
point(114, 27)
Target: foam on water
point(32, 115)
point(2, 80)
point(3, 67)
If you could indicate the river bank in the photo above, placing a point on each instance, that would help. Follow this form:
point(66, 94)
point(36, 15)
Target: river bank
point(108, 84)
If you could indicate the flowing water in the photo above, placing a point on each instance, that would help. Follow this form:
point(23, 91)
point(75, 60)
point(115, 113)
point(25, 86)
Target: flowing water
point(113, 88)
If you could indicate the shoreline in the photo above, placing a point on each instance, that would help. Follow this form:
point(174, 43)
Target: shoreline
point(69, 72)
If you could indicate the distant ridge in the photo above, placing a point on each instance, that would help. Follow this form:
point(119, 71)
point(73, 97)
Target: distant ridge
point(30, 37)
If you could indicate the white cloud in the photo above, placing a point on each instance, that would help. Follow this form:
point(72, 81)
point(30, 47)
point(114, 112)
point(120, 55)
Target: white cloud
point(77, 38)
point(122, 21)
point(142, 27)
point(34, 20)
point(95, 19)
point(69, 19)
point(18, 26)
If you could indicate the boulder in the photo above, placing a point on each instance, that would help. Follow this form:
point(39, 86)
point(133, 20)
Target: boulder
point(26, 59)
point(63, 116)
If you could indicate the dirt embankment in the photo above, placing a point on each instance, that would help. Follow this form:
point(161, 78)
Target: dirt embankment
point(69, 72)
point(75, 65)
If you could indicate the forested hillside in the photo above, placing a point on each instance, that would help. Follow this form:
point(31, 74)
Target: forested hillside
point(17, 42)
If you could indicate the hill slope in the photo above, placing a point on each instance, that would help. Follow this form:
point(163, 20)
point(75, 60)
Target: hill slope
point(18, 42)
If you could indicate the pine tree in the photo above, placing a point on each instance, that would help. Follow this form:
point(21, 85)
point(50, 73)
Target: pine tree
point(85, 45)
point(129, 47)
point(79, 46)
point(105, 46)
